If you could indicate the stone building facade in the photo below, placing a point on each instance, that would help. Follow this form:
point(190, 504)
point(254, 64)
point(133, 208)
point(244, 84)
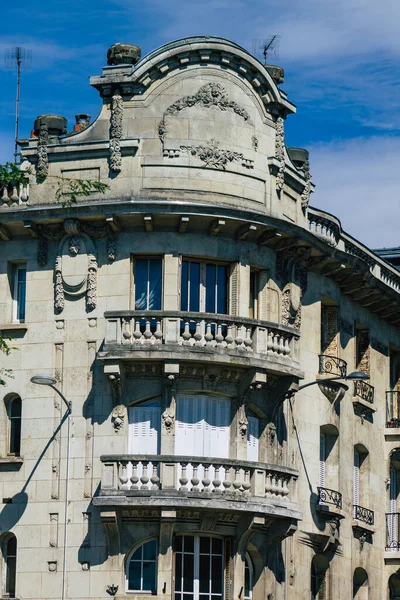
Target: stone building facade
point(179, 309)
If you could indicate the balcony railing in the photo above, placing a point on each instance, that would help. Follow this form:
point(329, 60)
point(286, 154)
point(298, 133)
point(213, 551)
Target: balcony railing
point(194, 476)
point(393, 531)
point(13, 195)
point(327, 496)
point(139, 330)
point(365, 391)
point(331, 365)
point(392, 409)
point(363, 514)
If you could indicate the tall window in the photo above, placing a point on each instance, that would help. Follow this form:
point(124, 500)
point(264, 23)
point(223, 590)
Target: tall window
point(360, 584)
point(360, 478)
point(19, 293)
point(199, 568)
point(319, 578)
point(10, 565)
point(253, 297)
point(142, 569)
point(362, 350)
point(148, 283)
point(329, 458)
point(393, 525)
point(330, 330)
point(204, 287)
point(13, 407)
point(248, 578)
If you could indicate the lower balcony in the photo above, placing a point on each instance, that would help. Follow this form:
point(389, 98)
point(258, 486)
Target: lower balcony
point(392, 411)
point(193, 482)
point(392, 536)
point(332, 365)
point(201, 336)
point(329, 502)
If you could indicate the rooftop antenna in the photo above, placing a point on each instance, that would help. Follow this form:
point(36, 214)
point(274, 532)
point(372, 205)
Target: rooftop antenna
point(21, 58)
point(264, 49)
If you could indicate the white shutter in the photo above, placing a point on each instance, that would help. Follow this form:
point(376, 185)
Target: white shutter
point(356, 479)
point(393, 533)
point(252, 438)
point(263, 279)
point(144, 434)
point(217, 426)
point(234, 290)
point(322, 460)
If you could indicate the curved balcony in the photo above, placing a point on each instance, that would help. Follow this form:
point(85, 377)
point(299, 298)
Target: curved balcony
point(196, 482)
point(331, 365)
point(200, 336)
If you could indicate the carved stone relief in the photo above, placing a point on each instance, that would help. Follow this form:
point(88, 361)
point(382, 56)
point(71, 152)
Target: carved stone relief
point(42, 167)
point(242, 422)
point(292, 270)
point(117, 110)
point(168, 419)
point(214, 156)
point(305, 197)
point(280, 153)
point(118, 417)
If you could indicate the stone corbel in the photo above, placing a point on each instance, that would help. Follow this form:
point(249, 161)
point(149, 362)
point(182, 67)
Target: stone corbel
point(242, 422)
point(113, 373)
point(110, 522)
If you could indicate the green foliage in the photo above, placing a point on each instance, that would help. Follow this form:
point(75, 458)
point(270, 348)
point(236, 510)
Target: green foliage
point(68, 190)
point(6, 349)
point(11, 174)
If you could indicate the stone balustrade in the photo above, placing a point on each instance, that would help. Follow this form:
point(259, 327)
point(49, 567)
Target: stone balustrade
point(199, 330)
point(195, 476)
point(323, 227)
point(13, 195)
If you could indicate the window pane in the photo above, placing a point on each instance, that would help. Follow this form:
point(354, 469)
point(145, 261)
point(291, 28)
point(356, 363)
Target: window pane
point(21, 293)
point(204, 574)
point(10, 576)
point(141, 279)
point(185, 285)
point(15, 436)
point(178, 572)
point(15, 408)
point(205, 545)
point(134, 575)
point(246, 580)
point(188, 572)
point(178, 543)
point(188, 541)
point(154, 302)
point(216, 546)
point(216, 583)
point(221, 290)
point(211, 276)
point(194, 304)
point(149, 576)
point(149, 550)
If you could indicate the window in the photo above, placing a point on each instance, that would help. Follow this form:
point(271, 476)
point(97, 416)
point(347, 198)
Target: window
point(253, 297)
point(329, 458)
point(199, 568)
point(248, 578)
point(253, 433)
point(360, 479)
point(392, 518)
point(204, 287)
point(394, 587)
point(9, 550)
point(362, 350)
point(360, 584)
point(330, 330)
point(319, 578)
point(13, 407)
point(19, 293)
point(148, 283)
point(142, 569)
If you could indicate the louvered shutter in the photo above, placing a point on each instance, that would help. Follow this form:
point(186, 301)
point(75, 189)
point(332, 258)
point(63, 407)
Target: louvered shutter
point(252, 438)
point(263, 278)
point(144, 434)
point(234, 290)
point(393, 532)
point(322, 460)
point(356, 479)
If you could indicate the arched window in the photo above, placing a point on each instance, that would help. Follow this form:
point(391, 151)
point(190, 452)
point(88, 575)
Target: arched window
point(394, 587)
point(360, 584)
point(9, 549)
point(142, 569)
point(248, 578)
point(14, 407)
point(319, 578)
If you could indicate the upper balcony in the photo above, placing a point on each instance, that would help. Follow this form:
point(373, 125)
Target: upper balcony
point(197, 482)
point(200, 336)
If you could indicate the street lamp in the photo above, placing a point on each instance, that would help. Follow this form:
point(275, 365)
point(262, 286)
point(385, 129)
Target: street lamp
point(50, 381)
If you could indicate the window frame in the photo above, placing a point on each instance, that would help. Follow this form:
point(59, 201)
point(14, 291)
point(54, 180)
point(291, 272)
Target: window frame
point(141, 546)
point(15, 293)
point(248, 564)
point(203, 283)
point(7, 592)
point(149, 258)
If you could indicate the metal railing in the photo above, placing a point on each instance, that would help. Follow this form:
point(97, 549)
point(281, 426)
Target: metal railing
point(327, 496)
point(392, 531)
point(392, 409)
point(363, 514)
point(363, 390)
point(195, 475)
point(331, 365)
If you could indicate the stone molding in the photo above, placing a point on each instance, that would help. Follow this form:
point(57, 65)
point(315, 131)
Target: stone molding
point(116, 131)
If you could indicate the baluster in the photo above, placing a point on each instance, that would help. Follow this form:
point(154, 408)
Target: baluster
point(186, 334)
point(195, 479)
point(24, 193)
point(285, 487)
point(158, 333)
point(137, 334)
point(155, 480)
point(123, 478)
point(274, 484)
point(147, 332)
point(247, 340)
point(206, 479)
point(239, 338)
point(275, 344)
point(144, 478)
point(237, 484)
point(216, 480)
point(227, 482)
point(268, 483)
point(281, 345)
point(198, 336)
point(269, 341)
point(134, 476)
point(183, 480)
point(229, 337)
point(209, 336)
point(14, 196)
point(219, 338)
point(4, 198)
point(126, 333)
point(287, 346)
point(279, 485)
point(246, 483)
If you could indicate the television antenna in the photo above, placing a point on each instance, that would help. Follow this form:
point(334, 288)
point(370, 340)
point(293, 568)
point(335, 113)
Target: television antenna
point(21, 58)
point(264, 49)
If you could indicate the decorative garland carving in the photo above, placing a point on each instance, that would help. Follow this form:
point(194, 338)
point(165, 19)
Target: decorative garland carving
point(168, 420)
point(212, 155)
point(305, 197)
point(280, 153)
point(42, 168)
point(111, 247)
point(254, 142)
point(292, 270)
point(91, 294)
point(117, 109)
point(59, 301)
point(118, 418)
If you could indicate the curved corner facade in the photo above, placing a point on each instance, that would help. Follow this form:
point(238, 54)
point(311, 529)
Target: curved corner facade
point(164, 265)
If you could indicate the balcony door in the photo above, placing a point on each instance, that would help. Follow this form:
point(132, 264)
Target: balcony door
point(199, 568)
point(144, 432)
point(252, 437)
point(202, 429)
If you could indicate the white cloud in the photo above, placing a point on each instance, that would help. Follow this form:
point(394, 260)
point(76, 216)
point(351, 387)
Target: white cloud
point(358, 181)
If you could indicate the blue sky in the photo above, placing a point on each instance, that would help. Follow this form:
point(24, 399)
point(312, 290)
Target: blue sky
point(342, 70)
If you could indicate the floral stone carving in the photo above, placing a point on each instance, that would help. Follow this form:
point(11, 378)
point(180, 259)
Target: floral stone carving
point(212, 155)
point(280, 153)
point(42, 168)
point(305, 197)
point(117, 110)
